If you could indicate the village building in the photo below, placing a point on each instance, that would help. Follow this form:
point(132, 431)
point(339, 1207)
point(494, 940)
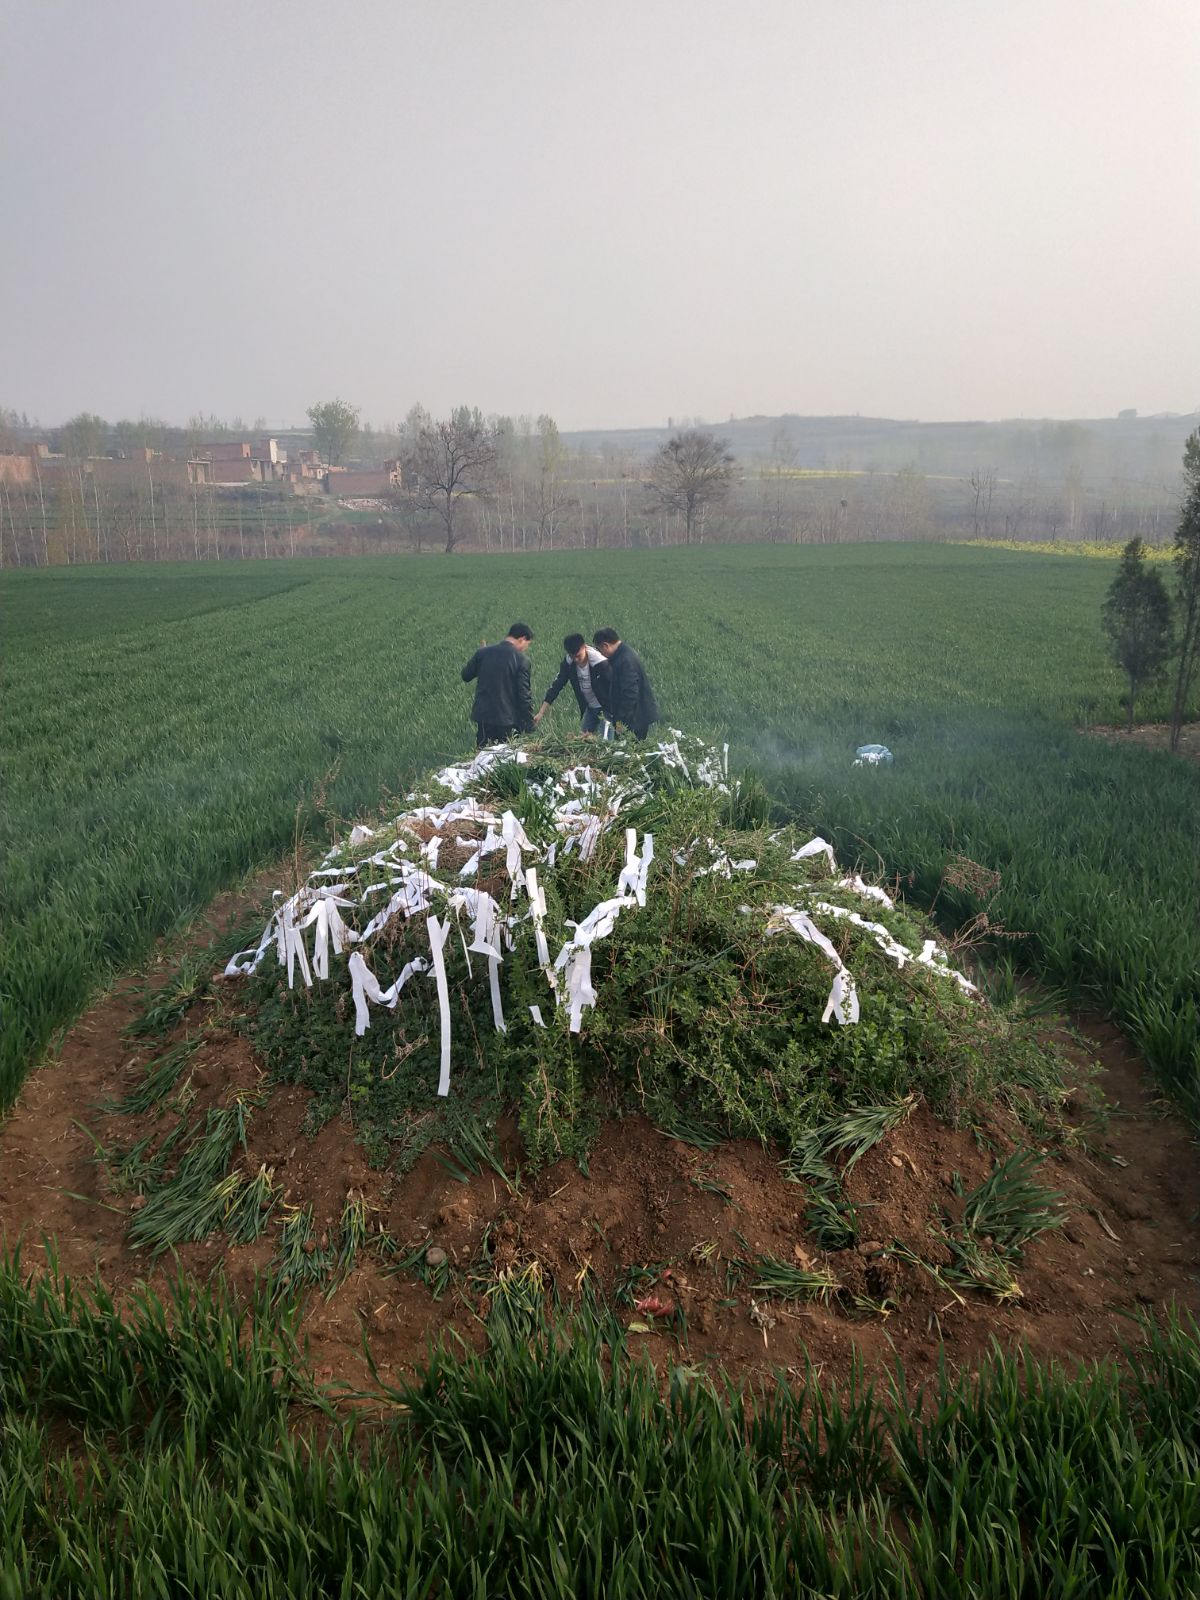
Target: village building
point(220, 464)
point(363, 482)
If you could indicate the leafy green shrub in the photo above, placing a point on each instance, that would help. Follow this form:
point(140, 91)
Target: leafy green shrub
point(700, 1007)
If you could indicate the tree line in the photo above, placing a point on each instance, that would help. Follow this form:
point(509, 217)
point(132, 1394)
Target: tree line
point(514, 484)
point(1150, 629)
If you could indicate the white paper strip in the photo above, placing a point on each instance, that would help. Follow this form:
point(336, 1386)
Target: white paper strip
point(936, 959)
point(537, 908)
point(869, 891)
point(575, 957)
point(634, 873)
point(515, 841)
point(365, 986)
point(294, 946)
point(931, 956)
point(494, 983)
point(814, 847)
point(627, 881)
point(883, 938)
point(438, 932)
point(330, 929)
point(843, 997)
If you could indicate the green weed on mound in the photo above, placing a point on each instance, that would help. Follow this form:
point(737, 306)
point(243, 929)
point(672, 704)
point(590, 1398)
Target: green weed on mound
point(712, 1012)
point(179, 1447)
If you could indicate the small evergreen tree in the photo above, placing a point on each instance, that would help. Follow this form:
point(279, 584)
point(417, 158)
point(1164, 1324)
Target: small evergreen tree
point(1187, 594)
point(1137, 619)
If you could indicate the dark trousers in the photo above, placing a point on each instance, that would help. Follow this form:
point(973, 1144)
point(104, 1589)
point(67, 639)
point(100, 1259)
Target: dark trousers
point(491, 733)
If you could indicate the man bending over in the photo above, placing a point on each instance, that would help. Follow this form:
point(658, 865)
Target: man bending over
point(586, 670)
point(503, 700)
point(630, 697)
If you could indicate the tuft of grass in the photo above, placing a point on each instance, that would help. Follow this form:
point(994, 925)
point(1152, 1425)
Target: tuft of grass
point(195, 1201)
point(708, 1184)
point(1010, 1208)
point(299, 1261)
point(975, 1266)
point(1000, 1217)
point(473, 1150)
point(830, 1218)
point(162, 1074)
point(437, 1279)
point(171, 1001)
point(673, 1122)
point(849, 1136)
point(784, 1280)
point(249, 1205)
point(141, 1166)
point(517, 1300)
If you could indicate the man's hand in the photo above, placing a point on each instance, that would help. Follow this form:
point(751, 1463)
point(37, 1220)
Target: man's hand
point(539, 714)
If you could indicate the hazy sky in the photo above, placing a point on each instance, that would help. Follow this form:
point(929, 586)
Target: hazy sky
point(613, 211)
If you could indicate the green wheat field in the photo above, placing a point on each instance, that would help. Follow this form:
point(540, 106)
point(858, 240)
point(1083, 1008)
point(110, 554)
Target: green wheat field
point(168, 729)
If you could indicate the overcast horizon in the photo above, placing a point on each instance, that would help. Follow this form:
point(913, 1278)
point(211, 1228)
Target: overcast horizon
point(932, 212)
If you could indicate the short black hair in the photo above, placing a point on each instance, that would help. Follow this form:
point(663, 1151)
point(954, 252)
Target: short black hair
point(605, 636)
point(574, 643)
point(520, 630)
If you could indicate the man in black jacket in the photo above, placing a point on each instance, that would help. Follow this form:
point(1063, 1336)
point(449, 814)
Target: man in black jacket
point(503, 700)
point(586, 670)
point(630, 697)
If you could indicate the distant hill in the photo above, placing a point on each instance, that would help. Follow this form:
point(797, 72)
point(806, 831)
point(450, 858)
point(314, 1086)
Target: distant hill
point(1100, 449)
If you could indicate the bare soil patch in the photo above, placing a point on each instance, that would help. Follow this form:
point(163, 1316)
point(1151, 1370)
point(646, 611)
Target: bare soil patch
point(1131, 1241)
point(1154, 736)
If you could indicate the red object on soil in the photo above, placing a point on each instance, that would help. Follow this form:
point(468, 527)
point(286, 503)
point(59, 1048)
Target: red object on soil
point(653, 1305)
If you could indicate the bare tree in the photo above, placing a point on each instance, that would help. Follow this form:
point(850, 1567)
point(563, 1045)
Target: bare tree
point(983, 490)
point(412, 519)
point(125, 524)
point(908, 504)
point(452, 459)
point(778, 515)
point(552, 501)
point(201, 428)
point(690, 473)
point(41, 489)
point(1073, 485)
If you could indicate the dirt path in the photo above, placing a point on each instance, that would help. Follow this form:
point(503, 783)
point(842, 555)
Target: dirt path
point(680, 1214)
point(1153, 736)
